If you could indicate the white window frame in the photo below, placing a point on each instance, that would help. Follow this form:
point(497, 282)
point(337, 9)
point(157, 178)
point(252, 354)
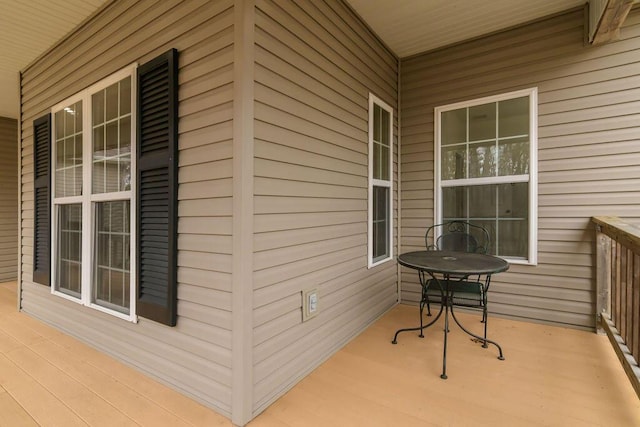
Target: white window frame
point(532, 178)
point(374, 100)
point(88, 200)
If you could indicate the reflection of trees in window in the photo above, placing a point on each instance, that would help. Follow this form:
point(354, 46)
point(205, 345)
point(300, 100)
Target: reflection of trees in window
point(514, 157)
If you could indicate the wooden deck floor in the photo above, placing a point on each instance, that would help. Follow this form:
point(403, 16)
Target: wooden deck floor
point(551, 376)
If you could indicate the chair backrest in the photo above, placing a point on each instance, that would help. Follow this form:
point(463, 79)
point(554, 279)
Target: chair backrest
point(457, 236)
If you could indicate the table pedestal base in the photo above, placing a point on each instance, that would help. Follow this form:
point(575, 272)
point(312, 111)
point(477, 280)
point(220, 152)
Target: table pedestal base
point(448, 306)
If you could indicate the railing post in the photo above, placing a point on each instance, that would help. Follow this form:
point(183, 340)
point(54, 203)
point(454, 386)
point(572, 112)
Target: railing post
point(603, 277)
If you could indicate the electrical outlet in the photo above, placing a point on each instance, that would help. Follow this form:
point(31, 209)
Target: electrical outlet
point(309, 304)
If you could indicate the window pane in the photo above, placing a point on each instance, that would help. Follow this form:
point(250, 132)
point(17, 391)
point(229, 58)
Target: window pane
point(59, 118)
point(97, 107)
point(502, 209)
point(381, 246)
point(99, 171)
point(78, 150)
point(482, 159)
point(377, 153)
point(385, 123)
point(454, 203)
point(103, 221)
point(112, 141)
point(377, 119)
point(482, 122)
point(98, 142)
point(514, 156)
point(125, 96)
point(384, 163)
point(112, 175)
point(78, 108)
point(60, 154)
point(69, 151)
point(69, 251)
point(513, 238)
point(381, 143)
point(69, 120)
point(454, 165)
point(111, 97)
point(454, 126)
point(125, 135)
point(482, 201)
point(125, 173)
point(513, 117)
point(513, 220)
point(513, 200)
point(68, 147)
point(112, 260)
point(490, 226)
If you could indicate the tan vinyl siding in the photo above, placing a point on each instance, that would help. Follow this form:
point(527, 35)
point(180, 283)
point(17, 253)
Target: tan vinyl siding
point(195, 356)
point(588, 151)
point(315, 66)
point(8, 199)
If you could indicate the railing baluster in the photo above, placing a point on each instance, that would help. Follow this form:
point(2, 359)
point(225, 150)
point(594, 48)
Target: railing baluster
point(622, 280)
point(603, 277)
point(615, 283)
point(635, 350)
point(629, 315)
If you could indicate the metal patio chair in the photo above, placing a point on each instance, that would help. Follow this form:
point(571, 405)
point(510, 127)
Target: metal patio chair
point(469, 292)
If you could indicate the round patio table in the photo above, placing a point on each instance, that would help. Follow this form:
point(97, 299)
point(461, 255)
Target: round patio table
point(448, 267)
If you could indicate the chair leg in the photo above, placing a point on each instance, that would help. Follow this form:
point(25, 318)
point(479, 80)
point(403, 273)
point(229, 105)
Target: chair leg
point(483, 297)
point(422, 302)
point(484, 319)
point(425, 300)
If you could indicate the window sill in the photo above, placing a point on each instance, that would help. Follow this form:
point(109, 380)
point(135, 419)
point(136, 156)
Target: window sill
point(128, 317)
point(376, 263)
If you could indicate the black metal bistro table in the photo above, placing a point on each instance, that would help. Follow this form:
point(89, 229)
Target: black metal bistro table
point(448, 267)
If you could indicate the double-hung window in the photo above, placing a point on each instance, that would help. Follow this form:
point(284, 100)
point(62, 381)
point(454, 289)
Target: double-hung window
point(105, 190)
point(380, 222)
point(93, 152)
point(486, 169)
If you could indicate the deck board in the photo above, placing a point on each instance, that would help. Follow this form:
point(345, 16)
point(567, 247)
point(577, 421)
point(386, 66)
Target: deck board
point(551, 376)
point(50, 378)
point(12, 413)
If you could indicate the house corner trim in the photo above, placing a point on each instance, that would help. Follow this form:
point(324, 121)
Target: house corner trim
point(242, 265)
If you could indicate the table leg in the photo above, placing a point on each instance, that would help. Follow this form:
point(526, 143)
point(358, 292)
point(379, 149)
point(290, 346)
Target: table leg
point(484, 340)
point(446, 331)
point(418, 328)
point(423, 282)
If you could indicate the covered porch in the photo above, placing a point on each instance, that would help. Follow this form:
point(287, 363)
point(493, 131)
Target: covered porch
point(551, 376)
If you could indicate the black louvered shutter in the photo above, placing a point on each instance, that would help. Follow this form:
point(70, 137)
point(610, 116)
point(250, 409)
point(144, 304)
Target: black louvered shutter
point(157, 188)
point(42, 197)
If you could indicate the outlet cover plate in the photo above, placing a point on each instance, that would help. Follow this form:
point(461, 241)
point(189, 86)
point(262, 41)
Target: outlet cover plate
point(309, 304)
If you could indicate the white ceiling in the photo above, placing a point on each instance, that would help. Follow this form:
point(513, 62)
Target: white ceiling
point(27, 29)
point(30, 27)
point(413, 26)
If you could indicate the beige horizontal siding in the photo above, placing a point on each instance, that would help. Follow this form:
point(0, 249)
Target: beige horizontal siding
point(8, 199)
point(315, 66)
point(195, 356)
point(587, 147)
